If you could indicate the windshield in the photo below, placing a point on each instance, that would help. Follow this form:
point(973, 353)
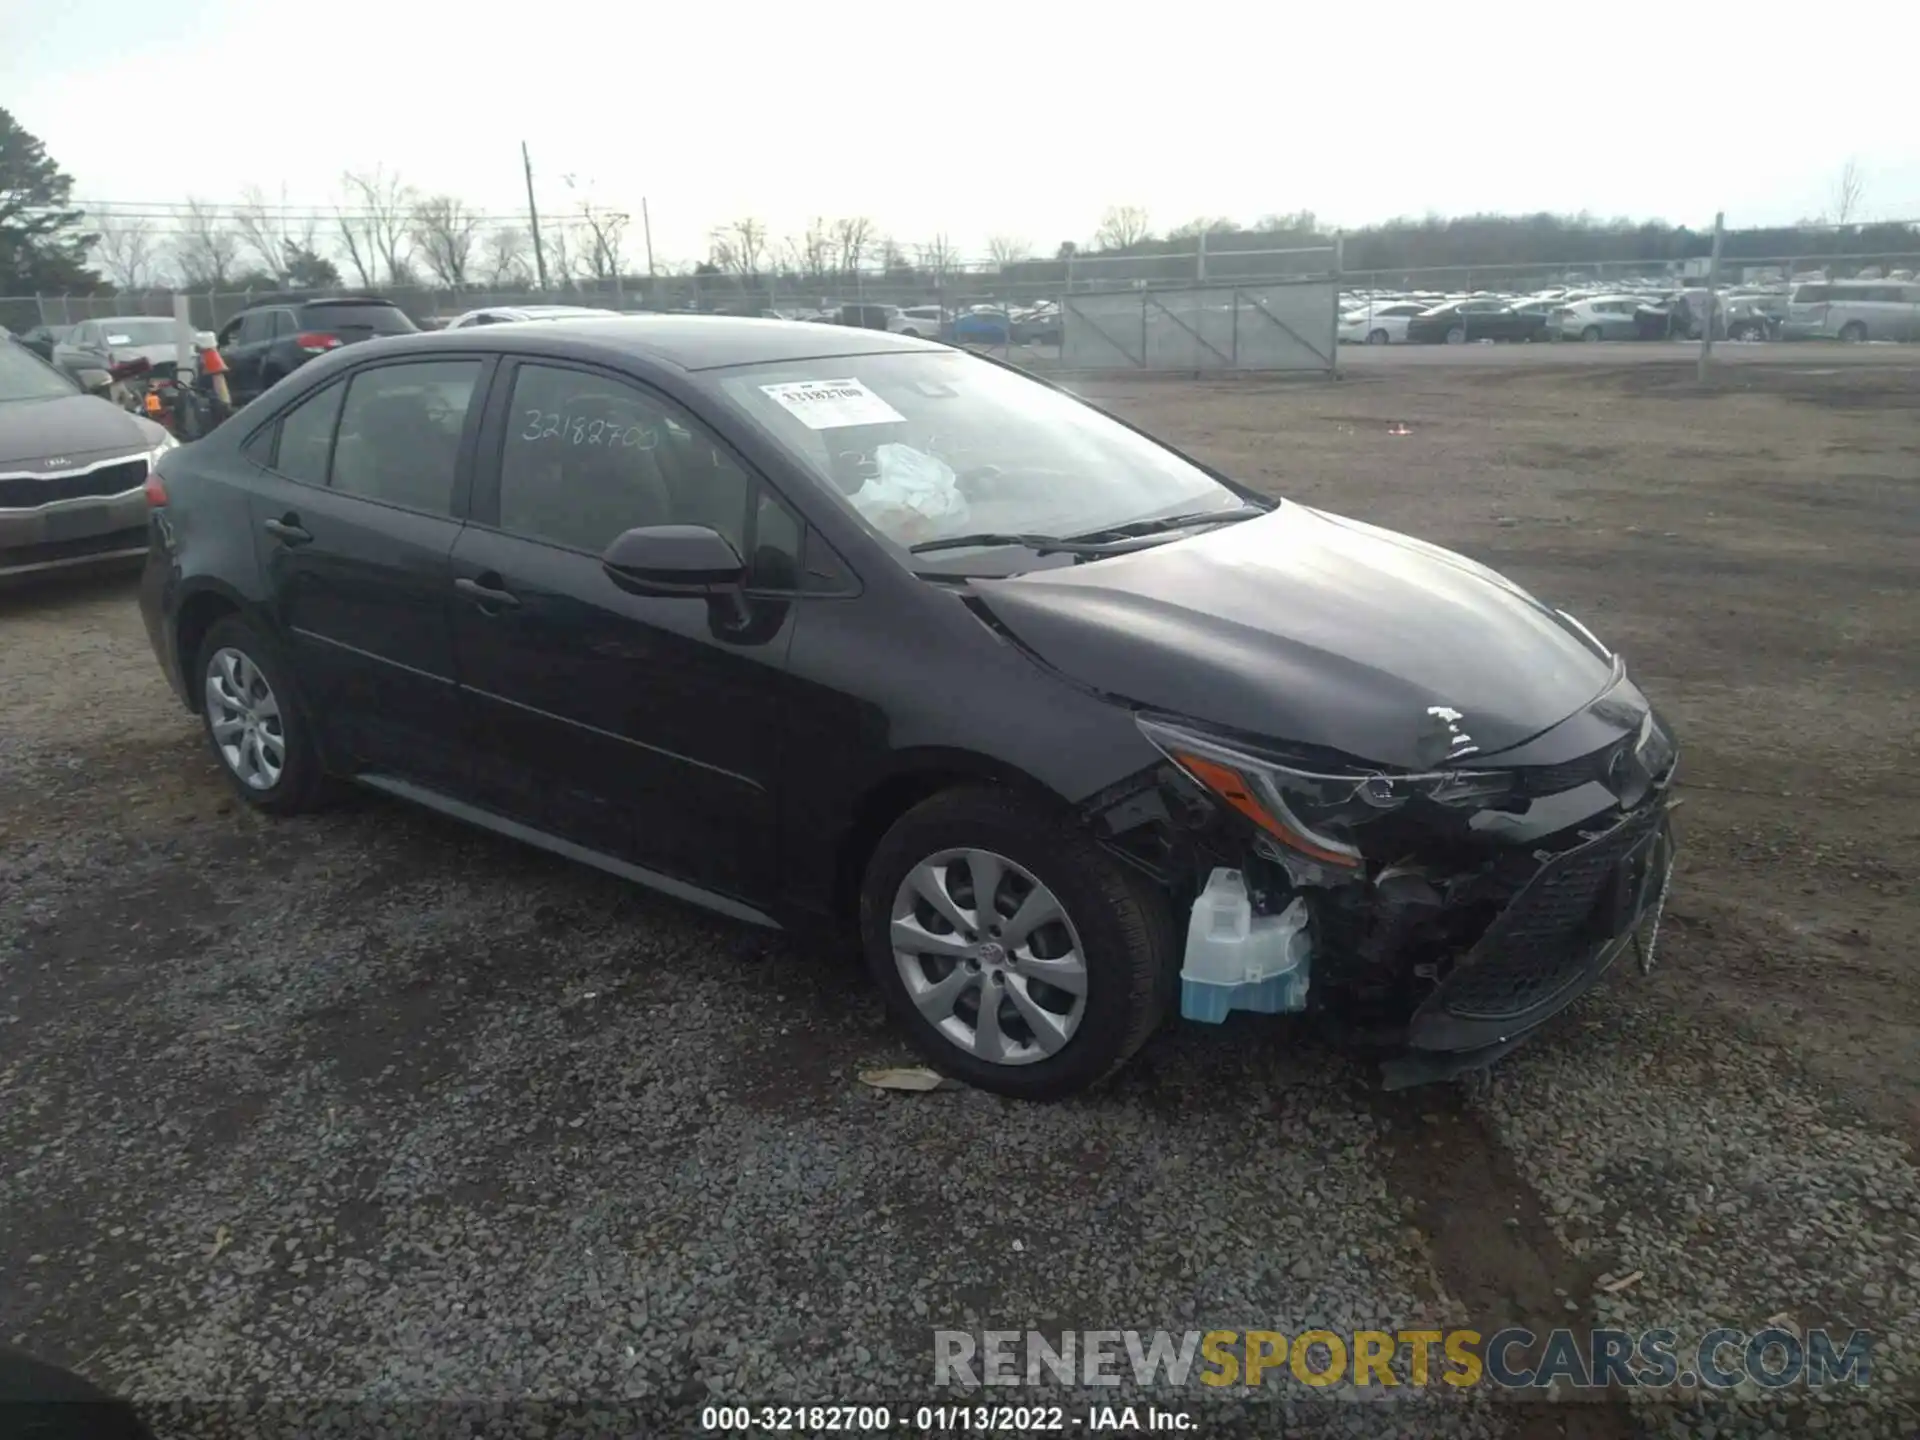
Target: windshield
point(138, 332)
point(24, 376)
point(926, 445)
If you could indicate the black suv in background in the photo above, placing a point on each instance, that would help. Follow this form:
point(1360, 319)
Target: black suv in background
point(269, 342)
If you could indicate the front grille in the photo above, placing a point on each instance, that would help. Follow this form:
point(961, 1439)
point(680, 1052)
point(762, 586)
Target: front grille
point(25, 492)
point(1570, 774)
point(1542, 943)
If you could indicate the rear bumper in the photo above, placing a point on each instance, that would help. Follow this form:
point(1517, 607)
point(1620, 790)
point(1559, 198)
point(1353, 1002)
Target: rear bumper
point(65, 534)
point(1582, 910)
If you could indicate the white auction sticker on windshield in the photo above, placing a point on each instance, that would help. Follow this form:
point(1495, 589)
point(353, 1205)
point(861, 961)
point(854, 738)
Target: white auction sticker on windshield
point(832, 404)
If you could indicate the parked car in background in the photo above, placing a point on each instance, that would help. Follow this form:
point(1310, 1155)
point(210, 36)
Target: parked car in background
point(867, 316)
point(1854, 310)
point(508, 314)
point(102, 344)
point(72, 470)
point(919, 322)
point(838, 630)
point(265, 344)
point(1378, 324)
point(41, 339)
point(1461, 321)
point(983, 326)
point(1608, 317)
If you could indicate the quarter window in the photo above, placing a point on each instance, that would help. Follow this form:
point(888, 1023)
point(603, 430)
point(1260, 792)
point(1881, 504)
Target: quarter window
point(400, 428)
point(306, 437)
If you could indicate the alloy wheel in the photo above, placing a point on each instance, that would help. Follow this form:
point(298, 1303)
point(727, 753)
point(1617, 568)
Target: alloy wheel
point(245, 719)
point(989, 956)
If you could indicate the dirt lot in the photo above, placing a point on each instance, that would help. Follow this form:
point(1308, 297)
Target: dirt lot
point(371, 1108)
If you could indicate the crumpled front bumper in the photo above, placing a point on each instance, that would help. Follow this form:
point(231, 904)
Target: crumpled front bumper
point(1586, 905)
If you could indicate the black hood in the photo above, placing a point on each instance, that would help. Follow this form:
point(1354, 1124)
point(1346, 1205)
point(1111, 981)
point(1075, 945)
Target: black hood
point(1314, 629)
point(73, 429)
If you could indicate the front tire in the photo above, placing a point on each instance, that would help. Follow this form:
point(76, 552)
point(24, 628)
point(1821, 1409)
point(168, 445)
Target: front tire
point(1017, 955)
point(254, 721)
point(1378, 337)
point(1591, 334)
point(1457, 335)
point(1853, 332)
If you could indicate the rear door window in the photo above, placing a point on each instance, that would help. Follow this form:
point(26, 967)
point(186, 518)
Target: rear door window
point(1812, 295)
point(400, 430)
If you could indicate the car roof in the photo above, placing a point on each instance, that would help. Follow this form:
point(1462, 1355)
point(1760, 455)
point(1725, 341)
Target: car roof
point(692, 342)
point(301, 302)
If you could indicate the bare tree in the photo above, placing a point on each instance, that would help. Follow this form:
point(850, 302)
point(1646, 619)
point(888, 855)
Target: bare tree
point(269, 236)
point(940, 256)
point(128, 251)
point(1849, 189)
point(206, 248)
point(563, 259)
point(1122, 227)
point(811, 255)
point(446, 230)
point(603, 232)
point(505, 257)
point(740, 246)
point(376, 225)
point(851, 236)
point(1008, 250)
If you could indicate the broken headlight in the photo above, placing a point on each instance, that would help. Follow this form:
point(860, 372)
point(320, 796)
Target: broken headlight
point(1317, 815)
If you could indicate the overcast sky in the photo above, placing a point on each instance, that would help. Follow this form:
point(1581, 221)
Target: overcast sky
point(979, 119)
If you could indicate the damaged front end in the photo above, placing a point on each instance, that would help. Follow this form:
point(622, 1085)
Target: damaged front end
point(1442, 915)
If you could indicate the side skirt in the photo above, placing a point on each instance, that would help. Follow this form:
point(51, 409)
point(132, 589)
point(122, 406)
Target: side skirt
point(526, 834)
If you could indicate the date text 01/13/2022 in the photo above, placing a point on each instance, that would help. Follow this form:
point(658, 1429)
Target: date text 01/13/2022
point(942, 1419)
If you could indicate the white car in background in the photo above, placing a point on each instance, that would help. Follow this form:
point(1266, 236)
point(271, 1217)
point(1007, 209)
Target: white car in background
point(1379, 323)
point(1609, 317)
point(922, 322)
point(509, 314)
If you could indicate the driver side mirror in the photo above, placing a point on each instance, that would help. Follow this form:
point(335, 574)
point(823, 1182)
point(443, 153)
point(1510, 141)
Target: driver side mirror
point(91, 379)
point(673, 560)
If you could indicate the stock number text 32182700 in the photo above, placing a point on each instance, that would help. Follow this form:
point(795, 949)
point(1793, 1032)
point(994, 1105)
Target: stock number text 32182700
point(881, 1419)
point(586, 430)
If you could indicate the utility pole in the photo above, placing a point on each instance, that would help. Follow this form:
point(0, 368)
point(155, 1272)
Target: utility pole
point(1713, 297)
point(533, 218)
point(646, 228)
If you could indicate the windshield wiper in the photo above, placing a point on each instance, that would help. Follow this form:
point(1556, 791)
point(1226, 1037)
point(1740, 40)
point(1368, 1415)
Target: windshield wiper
point(1039, 544)
point(1173, 522)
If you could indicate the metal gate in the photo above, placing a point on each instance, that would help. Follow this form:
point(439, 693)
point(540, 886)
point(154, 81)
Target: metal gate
point(1273, 325)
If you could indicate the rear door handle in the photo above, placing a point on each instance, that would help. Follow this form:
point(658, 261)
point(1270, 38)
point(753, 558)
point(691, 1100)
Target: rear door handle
point(288, 531)
point(488, 597)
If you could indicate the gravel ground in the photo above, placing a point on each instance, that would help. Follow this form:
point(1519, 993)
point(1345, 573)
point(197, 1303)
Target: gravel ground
point(369, 1109)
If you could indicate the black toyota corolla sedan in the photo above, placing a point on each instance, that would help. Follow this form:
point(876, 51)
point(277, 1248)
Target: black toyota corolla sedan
point(812, 624)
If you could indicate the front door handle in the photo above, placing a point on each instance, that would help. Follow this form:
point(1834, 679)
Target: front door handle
point(288, 531)
point(488, 597)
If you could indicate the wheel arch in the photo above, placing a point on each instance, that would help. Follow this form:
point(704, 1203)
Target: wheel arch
point(199, 610)
point(916, 776)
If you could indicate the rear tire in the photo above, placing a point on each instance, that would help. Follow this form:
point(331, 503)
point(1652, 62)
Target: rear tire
point(1853, 332)
point(254, 723)
point(1112, 940)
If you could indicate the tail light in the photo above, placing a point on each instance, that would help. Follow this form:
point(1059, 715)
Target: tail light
point(316, 342)
point(151, 404)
